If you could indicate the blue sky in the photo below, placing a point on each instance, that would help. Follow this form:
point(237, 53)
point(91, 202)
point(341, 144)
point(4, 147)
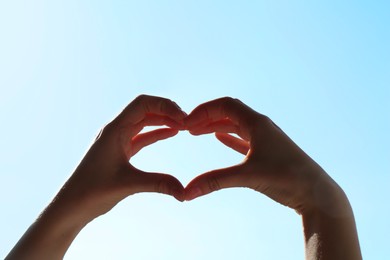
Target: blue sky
point(320, 70)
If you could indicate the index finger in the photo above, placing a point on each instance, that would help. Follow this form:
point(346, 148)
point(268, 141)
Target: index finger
point(137, 110)
point(222, 108)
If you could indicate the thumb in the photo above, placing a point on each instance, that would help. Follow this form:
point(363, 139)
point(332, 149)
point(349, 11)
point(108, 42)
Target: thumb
point(161, 183)
point(216, 180)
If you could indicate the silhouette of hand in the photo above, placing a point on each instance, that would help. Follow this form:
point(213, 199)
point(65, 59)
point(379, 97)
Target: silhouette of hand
point(274, 165)
point(105, 176)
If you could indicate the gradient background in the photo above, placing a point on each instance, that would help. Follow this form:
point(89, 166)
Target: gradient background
point(319, 69)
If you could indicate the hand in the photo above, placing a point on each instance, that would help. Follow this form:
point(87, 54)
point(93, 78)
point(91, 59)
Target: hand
point(103, 178)
point(274, 165)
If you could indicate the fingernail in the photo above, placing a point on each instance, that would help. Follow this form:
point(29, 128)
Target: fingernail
point(193, 193)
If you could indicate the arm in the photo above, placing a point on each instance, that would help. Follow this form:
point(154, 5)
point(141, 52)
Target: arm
point(103, 178)
point(277, 167)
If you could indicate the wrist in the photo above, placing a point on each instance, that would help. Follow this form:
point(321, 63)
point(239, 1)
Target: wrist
point(327, 198)
point(319, 193)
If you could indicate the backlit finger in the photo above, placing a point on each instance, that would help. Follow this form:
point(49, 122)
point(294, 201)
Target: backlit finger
point(225, 126)
point(220, 109)
point(142, 140)
point(143, 105)
point(216, 180)
point(156, 182)
point(235, 143)
point(157, 120)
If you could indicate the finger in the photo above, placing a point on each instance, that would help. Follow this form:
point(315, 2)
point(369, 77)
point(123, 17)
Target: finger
point(161, 183)
point(220, 109)
point(156, 120)
point(224, 125)
point(235, 143)
point(141, 140)
point(216, 180)
point(143, 105)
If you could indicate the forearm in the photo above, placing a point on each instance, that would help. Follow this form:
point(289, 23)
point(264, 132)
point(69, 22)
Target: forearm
point(40, 243)
point(330, 229)
point(50, 235)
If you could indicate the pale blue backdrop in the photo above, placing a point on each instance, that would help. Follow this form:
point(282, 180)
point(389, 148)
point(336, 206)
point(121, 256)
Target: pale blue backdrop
point(319, 69)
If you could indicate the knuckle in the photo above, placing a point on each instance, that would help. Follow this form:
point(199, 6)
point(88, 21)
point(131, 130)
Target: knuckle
point(105, 130)
point(263, 119)
point(227, 100)
point(231, 100)
point(141, 100)
point(228, 103)
point(141, 97)
point(137, 102)
point(237, 100)
point(100, 133)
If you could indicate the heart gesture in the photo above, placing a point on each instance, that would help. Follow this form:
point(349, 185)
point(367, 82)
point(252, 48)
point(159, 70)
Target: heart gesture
point(274, 165)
